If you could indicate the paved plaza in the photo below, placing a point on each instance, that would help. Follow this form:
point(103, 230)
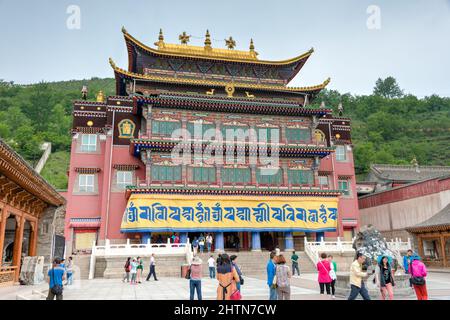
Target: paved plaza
point(302, 288)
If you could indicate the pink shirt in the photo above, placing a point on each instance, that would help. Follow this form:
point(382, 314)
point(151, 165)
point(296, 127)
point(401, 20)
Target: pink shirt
point(196, 271)
point(324, 268)
point(418, 269)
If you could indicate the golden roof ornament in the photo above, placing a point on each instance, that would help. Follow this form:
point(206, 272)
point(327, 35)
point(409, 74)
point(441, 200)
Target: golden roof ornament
point(207, 40)
point(230, 43)
point(100, 97)
point(252, 46)
point(160, 42)
point(184, 38)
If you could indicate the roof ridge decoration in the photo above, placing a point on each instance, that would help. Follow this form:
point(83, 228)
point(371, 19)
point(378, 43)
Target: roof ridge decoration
point(218, 83)
point(207, 52)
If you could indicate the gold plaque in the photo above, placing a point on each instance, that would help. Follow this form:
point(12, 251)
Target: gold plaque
point(90, 123)
point(229, 89)
point(126, 129)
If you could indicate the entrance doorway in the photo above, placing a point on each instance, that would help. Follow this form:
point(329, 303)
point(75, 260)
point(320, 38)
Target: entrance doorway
point(268, 240)
point(232, 240)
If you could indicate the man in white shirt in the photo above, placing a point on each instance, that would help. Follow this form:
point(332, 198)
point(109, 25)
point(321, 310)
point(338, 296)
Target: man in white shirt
point(209, 241)
point(212, 268)
point(152, 268)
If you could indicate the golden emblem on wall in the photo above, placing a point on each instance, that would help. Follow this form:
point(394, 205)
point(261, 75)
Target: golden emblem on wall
point(126, 129)
point(319, 135)
point(229, 89)
point(90, 123)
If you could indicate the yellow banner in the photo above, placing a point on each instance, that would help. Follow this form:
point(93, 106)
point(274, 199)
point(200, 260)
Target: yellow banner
point(189, 213)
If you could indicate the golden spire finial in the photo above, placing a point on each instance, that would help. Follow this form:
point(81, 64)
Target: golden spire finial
point(252, 46)
point(230, 43)
point(161, 36)
point(124, 30)
point(160, 43)
point(184, 38)
point(207, 40)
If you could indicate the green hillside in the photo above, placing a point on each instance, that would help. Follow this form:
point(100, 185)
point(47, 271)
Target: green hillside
point(388, 126)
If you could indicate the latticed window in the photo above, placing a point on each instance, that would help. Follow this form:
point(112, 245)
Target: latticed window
point(299, 177)
point(323, 180)
point(124, 179)
point(341, 155)
point(200, 129)
point(294, 135)
point(344, 187)
point(86, 183)
point(166, 173)
point(165, 128)
point(236, 175)
point(271, 135)
point(269, 176)
point(88, 143)
point(203, 174)
point(234, 132)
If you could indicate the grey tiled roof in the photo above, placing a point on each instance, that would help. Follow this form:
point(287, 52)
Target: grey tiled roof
point(408, 172)
point(439, 219)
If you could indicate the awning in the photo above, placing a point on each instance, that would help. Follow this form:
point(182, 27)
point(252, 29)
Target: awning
point(228, 213)
point(85, 223)
point(349, 222)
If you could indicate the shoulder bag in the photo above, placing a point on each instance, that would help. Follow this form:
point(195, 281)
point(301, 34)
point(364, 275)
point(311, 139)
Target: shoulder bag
point(56, 289)
point(418, 281)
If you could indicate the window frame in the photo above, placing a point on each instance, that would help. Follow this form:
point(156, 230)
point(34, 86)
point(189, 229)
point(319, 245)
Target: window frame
point(83, 188)
point(269, 183)
point(123, 184)
point(86, 147)
point(304, 171)
point(236, 172)
point(346, 192)
point(339, 154)
point(210, 172)
point(288, 135)
point(167, 175)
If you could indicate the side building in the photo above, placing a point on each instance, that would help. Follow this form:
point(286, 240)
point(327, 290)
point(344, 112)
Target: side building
point(204, 140)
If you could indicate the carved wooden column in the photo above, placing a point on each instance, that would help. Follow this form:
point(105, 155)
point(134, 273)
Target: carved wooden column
point(444, 258)
point(18, 239)
point(4, 214)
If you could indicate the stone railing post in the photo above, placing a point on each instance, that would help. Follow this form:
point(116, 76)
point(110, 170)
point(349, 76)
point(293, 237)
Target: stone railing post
point(92, 262)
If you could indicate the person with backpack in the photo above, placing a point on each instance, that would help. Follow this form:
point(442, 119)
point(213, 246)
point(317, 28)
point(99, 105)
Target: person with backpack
point(227, 277)
point(385, 278)
point(238, 270)
point(333, 275)
point(407, 260)
point(284, 275)
point(195, 278)
point(55, 281)
point(323, 268)
point(294, 259)
point(418, 273)
point(127, 268)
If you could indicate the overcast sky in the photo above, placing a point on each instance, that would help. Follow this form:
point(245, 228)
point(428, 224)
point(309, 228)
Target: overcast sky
point(410, 41)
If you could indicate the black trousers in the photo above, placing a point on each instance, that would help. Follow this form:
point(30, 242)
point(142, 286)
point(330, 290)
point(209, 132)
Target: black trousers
point(323, 286)
point(333, 289)
point(152, 271)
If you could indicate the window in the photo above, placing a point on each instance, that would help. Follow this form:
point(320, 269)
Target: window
point(341, 154)
point(294, 135)
point(343, 185)
point(234, 132)
point(203, 174)
point(89, 142)
point(194, 129)
point(165, 128)
point(323, 180)
point(124, 179)
point(236, 175)
point(166, 173)
point(270, 135)
point(269, 176)
point(298, 177)
point(86, 183)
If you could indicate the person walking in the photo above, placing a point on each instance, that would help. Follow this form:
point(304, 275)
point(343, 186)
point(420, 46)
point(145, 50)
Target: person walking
point(212, 267)
point(152, 268)
point(294, 259)
point(201, 243)
point(195, 245)
point(283, 275)
point(385, 278)
point(323, 268)
point(133, 271)
point(127, 268)
point(209, 240)
point(69, 271)
point(55, 281)
point(237, 243)
point(177, 238)
point(333, 275)
point(140, 269)
point(228, 277)
point(271, 272)
point(357, 285)
point(233, 259)
point(418, 273)
point(195, 280)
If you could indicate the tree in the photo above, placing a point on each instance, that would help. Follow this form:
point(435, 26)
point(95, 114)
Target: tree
point(387, 88)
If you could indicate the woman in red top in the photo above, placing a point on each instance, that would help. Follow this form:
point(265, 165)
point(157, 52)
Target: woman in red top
point(323, 266)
